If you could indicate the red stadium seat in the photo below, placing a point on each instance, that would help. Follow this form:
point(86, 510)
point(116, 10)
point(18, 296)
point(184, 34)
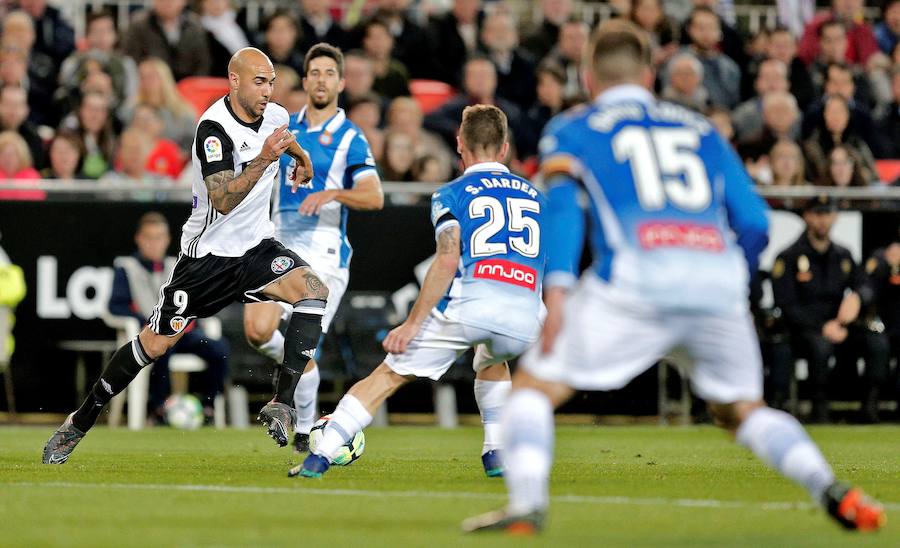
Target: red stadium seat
point(888, 170)
point(202, 91)
point(430, 94)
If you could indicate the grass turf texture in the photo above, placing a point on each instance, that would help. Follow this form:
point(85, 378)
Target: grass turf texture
point(124, 488)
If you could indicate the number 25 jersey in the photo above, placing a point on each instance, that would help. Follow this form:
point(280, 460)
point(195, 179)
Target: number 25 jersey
point(498, 284)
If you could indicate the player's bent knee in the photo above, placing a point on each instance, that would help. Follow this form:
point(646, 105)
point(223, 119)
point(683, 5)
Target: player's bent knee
point(156, 345)
point(730, 415)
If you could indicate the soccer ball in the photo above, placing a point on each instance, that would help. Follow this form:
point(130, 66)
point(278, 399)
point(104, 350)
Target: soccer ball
point(183, 411)
point(347, 453)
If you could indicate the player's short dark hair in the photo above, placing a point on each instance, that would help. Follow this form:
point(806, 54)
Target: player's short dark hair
point(483, 127)
point(323, 49)
point(151, 218)
point(619, 51)
point(97, 16)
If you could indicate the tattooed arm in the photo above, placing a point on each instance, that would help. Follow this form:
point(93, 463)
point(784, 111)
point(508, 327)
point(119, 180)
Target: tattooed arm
point(226, 191)
point(437, 280)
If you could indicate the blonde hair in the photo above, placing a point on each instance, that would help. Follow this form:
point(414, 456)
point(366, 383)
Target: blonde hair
point(20, 146)
point(171, 99)
point(799, 176)
point(483, 127)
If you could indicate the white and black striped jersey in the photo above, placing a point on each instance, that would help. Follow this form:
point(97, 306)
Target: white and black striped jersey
point(225, 142)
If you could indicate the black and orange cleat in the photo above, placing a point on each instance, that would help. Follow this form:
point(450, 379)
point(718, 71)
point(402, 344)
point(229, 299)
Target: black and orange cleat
point(853, 509)
point(519, 525)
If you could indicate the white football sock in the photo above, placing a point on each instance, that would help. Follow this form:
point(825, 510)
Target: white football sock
point(305, 400)
point(779, 440)
point(491, 397)
point(349, 418)
point(528, 440)
point(273, 348)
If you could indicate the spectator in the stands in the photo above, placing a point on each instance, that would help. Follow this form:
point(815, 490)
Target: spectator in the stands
point(721, 120)
point(664, 33)
point(404, 116)
point(833, 45)
point(783, 47)
point(317, 25)
point(479, 87)
point(359, 77)
point(66, 152)
point(100, 55)
point(287, 80)
point(861, 41)
point(399, 154)
point(223, 34)
point(569, 54)
point(889, 124)
point(456, 35)
point(365, 112)
point(835, 129)
point(780, 120)
point(786, 161)
point(156, 88)
point(391, 77)
point(550, 91)
point(281, 35)
point(54, 35)
point(683, 82)
point(14, 117)
point(721, 75)
point(747, 117)
point(412, 44)
point(93, 123)
point(295, 99)
point(18, 35)
point(730, 41)
point(164, 158)
point(428, 169)
point(515, 66)
point(887, 31)
point(844, 169)
point(539, 40)
point(839, 81)
point(15, 160)
point(131, 158)
point(167, 32)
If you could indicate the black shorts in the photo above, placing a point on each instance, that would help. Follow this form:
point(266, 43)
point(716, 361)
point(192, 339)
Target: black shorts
point(201, 287)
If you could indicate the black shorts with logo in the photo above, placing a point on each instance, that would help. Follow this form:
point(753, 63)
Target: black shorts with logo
point(201, 287)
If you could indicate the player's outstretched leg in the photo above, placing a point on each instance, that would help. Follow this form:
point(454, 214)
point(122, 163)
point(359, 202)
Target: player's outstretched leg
point(492, 386)
point(778, 439)
point(124, 366)
point(353, 413)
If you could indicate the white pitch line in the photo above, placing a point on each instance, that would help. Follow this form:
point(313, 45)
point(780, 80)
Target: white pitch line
point(577, 499)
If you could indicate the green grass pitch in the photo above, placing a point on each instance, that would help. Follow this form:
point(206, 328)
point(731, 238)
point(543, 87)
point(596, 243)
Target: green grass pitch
point(611, 486)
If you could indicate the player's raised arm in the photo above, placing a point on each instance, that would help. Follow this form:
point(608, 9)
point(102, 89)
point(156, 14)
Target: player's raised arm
point(365, 194)
point(225, 190)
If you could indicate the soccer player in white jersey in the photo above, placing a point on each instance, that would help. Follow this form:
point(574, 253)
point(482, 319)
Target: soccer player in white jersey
point(228, 251)
point(483, 289)
point(676, 231)
point(313, 221)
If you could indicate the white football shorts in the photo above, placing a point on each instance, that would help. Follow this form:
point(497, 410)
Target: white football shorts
point(440, 341)
point(606, 341)
point(328, 270)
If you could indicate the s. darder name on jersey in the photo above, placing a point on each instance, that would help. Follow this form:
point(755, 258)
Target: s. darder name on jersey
point(502, 182)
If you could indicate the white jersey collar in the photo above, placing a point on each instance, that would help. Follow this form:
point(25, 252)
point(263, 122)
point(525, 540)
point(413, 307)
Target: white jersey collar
point(486, 166)
point(624, 92)
point(331, 125)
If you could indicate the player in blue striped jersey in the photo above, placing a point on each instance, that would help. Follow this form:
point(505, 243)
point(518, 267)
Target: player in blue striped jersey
point(676, 231)
point(313, 220)
point(482, 290)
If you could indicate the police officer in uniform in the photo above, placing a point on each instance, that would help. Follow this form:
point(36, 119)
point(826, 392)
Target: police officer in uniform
point(820, 292)
point(883, 272)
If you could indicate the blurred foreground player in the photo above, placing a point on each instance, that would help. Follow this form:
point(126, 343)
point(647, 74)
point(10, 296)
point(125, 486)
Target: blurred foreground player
point(312, 222)
point(483, 289)
point(228, 252)
point(675, 226)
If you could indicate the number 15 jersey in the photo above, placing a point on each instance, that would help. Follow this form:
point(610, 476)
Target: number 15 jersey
point(498, 284)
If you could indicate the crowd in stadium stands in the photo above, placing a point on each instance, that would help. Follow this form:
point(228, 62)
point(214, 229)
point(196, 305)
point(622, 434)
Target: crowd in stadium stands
point(795, 104)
